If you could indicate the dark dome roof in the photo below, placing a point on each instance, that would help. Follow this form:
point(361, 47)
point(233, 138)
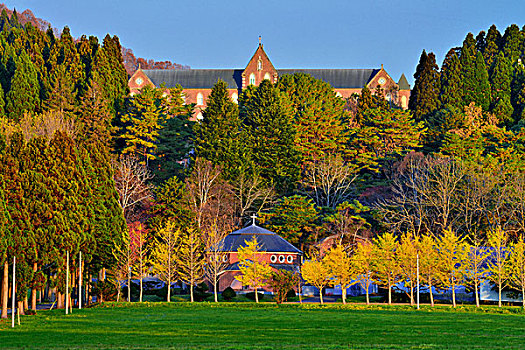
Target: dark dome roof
point(269, 241)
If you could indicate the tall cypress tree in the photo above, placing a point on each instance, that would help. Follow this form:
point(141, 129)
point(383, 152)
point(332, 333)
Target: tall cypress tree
point(451, 82)
point(424, 98)
point(511, 43)
point(481, 41)
point(24, 93)
point(517, 96)
point(500, 80)
point(492, 45)
point(476, 87)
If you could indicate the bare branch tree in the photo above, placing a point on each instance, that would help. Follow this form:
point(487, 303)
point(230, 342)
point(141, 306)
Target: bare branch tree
point(131, 182)
point(329, 181)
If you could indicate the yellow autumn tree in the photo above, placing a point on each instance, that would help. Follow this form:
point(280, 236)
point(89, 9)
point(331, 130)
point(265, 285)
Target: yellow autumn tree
point(339, 266)
point(407, 259)
point(453, 256)
point(255, 272)
point(517, 267)
point(476, 269)
point(428, 263)
point(164, 254)
point(316, 273)
point(498, 264)
point(362, 261)
point(385, 264)
point(191, 259)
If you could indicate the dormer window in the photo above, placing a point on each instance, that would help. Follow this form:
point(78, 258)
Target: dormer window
point(200, 99)
point(252, 79)
point(259, 64)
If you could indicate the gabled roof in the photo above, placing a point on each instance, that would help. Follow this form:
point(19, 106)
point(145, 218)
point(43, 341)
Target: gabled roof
point(195, 78)
point(268, 240)
point(403, 83)
point(338, 78)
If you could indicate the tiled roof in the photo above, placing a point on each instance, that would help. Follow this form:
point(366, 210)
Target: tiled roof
point(338, 78)
point(269, 241)
point(286, 267)
point(403, 83)
point(195, 78)
point(207, 78)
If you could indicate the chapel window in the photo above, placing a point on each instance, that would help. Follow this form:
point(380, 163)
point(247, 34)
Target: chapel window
point(267, 76)
point(259, 64)
point(252, 79)
point(200, 99)
point(235, 97)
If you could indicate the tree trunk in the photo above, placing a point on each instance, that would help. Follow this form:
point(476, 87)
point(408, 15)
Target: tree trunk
point(5, 290)
point(140, 297)
point(26, 303)
point(523, 295)
point(215, 290)
point(344, 295)
point(191, 292)
point(129, 287)
point(430, 291)
point(321, 294)
point(60, 300)
point(102, 278)
point(256, 295)
point(389, 292)
point(169, 290)
point(33, 291)
point(411, 293)
point(499, 292)
point(367, 293)
point(476, 291)
point(453, 293)
point(21, 307)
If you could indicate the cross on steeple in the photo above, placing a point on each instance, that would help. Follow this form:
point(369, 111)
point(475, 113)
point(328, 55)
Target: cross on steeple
point(253, 218)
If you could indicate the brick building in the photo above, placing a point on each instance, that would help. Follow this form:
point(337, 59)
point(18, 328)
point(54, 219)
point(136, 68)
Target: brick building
point(197, 83)
point(275, 250)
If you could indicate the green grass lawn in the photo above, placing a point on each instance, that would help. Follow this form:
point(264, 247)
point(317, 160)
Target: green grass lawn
point(267, 326)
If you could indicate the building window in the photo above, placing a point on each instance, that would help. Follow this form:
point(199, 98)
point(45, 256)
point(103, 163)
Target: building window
point(199, 116)
point(267, 77)
point(281, 259)
point(289, 259)
point(252, 79)
point(259, 64)
point(403, 101)
point(235, 98)
point(200, 99)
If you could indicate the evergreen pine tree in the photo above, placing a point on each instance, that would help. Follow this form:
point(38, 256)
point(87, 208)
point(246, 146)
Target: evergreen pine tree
point(424, 98)
point(492, 45)
point(500, 80)
point(319, 116)
point(511, 43)
point(476, 87)
point(451, 82)
point(270, 135)
point(481, 41)
point(217, 135)
point(24, 93)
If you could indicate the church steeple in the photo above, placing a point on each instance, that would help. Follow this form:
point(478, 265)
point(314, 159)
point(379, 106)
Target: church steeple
point(259, 68)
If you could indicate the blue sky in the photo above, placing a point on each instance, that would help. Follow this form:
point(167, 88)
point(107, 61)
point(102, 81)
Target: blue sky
point(295, 34)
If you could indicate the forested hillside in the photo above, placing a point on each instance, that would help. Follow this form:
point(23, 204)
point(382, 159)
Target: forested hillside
point(134, 185)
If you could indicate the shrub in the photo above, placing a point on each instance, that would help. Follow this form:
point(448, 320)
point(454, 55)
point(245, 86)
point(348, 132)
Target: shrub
point(200, 292)
point(251, 296)
point(228, 294)
point(106, 288)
